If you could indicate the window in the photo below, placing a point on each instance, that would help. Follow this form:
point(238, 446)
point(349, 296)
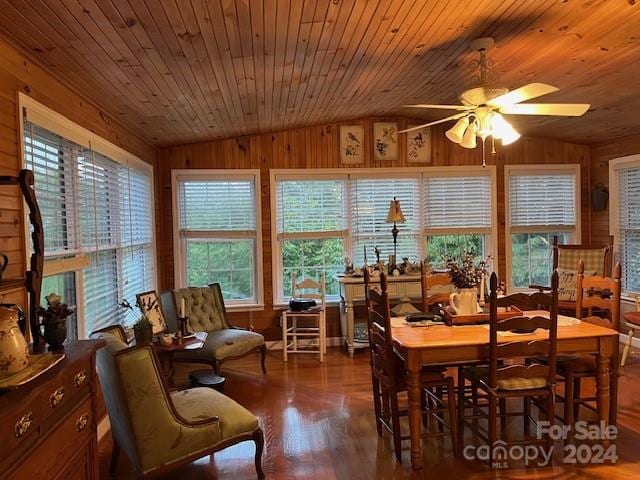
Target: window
point(311, 229)
point(218, 240)
point(370, 198)
point(459, 217)
point(624, 175)
point(98, 219)
point(543, 202)
point(322, 216)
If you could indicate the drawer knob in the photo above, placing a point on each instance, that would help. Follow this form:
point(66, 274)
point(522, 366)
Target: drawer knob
point(56, 397)
point(82, 422)
point(22, 426)
point(80, 378)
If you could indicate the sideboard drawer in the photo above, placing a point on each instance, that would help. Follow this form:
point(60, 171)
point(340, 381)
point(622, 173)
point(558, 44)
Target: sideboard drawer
point(56, 451)
point(21, 425)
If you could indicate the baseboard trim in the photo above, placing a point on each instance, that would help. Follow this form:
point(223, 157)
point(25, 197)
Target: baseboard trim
point(331, 342)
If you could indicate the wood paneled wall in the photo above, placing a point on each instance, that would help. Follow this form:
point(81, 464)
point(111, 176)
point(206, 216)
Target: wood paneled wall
point(601, 154)
point(19, 74)
point(317, 147)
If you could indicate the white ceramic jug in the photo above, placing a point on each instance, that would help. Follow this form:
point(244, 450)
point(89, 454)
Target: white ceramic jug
point(14, 351)
point(465, 302)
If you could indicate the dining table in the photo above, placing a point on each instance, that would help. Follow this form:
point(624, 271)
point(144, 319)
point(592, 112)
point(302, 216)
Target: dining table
point(469, 344)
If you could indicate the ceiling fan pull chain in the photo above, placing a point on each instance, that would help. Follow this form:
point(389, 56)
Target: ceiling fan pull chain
point(484, 161)
point(493, 145)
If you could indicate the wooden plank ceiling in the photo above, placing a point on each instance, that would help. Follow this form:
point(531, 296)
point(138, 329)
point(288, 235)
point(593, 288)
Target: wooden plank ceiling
point(180, 71)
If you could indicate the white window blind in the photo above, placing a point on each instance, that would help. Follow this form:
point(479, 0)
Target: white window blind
point(370, 198)
point(542, 202)
point(455, 204)
point(95, 206)
point(218, 225)
point(628, 227)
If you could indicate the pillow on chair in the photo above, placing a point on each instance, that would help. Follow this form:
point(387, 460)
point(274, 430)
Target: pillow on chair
point(567, 285)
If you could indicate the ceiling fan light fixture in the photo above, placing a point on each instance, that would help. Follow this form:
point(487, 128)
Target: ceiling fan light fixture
point(469, 137)
point(456, 132)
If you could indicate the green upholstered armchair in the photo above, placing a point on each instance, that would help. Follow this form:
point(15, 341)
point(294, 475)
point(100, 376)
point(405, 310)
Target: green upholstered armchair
point(204, 307)
point(159, 429)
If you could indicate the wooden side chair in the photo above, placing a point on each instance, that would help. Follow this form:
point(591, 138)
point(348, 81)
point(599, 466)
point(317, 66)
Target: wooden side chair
point(632, 321)
point(388, 376)
point(595, 294)
point(291, 334)
point(526, 378)
point(430, 281)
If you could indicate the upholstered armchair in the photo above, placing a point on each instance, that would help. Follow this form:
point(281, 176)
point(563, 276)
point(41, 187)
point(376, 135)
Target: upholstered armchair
point(157, 429)
point(204, 307)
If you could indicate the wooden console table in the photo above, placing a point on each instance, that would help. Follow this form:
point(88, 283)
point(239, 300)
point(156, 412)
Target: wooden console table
point(48, 427)
point(352, 293)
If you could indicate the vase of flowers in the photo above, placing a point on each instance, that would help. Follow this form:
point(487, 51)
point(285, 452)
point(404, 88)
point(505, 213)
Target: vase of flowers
point(54, 321)
point(466, 276)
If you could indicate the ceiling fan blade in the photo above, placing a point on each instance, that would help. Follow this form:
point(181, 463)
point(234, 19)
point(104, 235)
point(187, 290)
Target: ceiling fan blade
point(527, 92)
point(559, 109)
point(442, 107)
point(452, 117)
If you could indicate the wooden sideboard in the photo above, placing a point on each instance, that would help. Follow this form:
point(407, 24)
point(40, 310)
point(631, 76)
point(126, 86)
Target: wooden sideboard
point(48, 427)
point(352, 293)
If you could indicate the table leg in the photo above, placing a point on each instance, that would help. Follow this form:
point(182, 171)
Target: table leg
point(603, 382)
point(415, 414)
point(350, 328)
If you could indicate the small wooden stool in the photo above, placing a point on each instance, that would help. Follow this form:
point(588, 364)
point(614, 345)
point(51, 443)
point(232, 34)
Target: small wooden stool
point(207, 378)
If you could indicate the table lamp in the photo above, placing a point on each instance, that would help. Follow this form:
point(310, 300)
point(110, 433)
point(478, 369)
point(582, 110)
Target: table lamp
point(395, 216)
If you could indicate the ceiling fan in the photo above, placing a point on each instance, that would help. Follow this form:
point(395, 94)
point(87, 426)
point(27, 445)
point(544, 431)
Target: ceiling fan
point(483, 106)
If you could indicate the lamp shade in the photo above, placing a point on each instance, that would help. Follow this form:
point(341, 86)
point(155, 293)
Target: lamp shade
point(456, 132)
point(469, 137)
point(395, 213)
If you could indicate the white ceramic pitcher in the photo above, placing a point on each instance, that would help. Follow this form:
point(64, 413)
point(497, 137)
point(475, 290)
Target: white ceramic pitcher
point(14, 351)
point(465, 302)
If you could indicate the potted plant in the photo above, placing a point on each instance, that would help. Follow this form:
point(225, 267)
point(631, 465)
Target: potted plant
point(143, 331)
point(54, 320)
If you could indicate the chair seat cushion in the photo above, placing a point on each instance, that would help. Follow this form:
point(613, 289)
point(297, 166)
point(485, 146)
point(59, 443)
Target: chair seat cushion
point(481, 374)
point(577, 363)
point(204, 403)
point(222, 344)
point(632, 317)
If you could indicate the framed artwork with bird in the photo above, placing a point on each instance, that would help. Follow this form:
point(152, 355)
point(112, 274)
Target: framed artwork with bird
point(351, 144)
point(419, 145)
point(385, 141)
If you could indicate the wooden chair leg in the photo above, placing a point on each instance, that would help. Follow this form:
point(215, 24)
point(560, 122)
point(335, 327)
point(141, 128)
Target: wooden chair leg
point(627, 347)
point(502, 402)
point(568, 400)
point(492, 435)
point(115, 457)
point(460, 418)
point(395, 424)
point(526, 408)
point(576, 398)
point(258, 437)
point(551, 415)
point(285, 338)
point(263, 356)
point(377, 407)
point(453, 421)
point(440, 395)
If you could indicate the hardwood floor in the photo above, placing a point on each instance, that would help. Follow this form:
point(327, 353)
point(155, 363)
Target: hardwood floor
point(319, 424)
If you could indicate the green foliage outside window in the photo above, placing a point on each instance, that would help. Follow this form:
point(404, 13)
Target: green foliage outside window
point(454, 246)
point(532, 258)
point(308, 258)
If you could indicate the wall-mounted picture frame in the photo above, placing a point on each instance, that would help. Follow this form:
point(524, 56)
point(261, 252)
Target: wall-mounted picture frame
point(149, 303)
point(419, 145)
point(351, 144)
point(385, 140)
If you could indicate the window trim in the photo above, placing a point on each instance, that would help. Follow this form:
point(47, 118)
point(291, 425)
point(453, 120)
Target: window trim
point(63, 126)
point(179, 270)
point(353, 173)
point(539, 169)
point(616, 164)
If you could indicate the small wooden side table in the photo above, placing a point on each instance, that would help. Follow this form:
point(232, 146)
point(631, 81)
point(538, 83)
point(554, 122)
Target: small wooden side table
point(166, 352)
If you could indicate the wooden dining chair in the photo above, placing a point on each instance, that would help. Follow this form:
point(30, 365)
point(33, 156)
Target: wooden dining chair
point(430, 281)
point(512, 372)
point(599, 297)
point(389, 377)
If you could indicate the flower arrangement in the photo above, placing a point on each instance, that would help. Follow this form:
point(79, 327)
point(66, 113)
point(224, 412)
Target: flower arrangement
point(142, 328)
point(464, 272)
